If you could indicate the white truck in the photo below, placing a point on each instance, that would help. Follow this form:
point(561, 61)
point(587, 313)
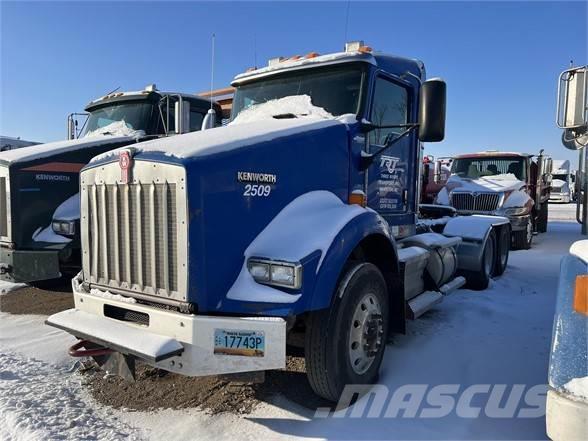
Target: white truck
point(562, 184)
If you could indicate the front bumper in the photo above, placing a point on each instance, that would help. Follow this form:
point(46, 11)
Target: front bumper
point(20, 266)
point(175, 342)
point(560, 197)
point(566, 419)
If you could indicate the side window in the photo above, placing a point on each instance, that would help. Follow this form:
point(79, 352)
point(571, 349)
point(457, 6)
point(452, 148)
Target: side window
point(390, 107)
point(195, 120)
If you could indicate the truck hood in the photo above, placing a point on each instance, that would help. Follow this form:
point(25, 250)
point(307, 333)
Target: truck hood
point(499, 183)
point(41, 151)
point(227, 138)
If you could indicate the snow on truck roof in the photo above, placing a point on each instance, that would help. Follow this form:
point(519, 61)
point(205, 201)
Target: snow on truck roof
point(391, 63)
point(144, 94)
point(492, 153)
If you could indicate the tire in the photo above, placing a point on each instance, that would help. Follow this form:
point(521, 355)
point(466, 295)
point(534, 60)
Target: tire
point(522, 240)
point(337, 335)
point(542, 218)
point(480, 279)
point(503, 248)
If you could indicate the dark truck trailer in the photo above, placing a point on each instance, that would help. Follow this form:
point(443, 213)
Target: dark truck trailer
point(39, 185)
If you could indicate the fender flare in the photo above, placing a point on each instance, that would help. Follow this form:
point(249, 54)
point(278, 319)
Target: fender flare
point(367, 225)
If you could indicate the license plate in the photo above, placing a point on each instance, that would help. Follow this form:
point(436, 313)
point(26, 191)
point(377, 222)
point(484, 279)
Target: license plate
point(236, 342)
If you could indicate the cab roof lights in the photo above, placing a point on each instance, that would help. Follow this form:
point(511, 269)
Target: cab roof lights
point(352, 46)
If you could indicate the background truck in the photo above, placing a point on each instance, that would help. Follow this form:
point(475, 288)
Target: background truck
point(567, 398)
point(562, 184)
point(515, 185)
point(39, 185)
point(295, 224)
point(10, 143)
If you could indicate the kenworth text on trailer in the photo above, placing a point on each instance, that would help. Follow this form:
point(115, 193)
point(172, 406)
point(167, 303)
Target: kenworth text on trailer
point(510, 184)
point(296, 223)
point(39, 185)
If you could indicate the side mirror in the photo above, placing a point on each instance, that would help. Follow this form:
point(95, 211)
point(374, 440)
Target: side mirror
point(209, 120)
point(432, 110)
point(182, 116)
point(572, 99)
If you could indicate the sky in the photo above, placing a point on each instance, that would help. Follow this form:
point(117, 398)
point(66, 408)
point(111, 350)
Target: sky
point(501, 60)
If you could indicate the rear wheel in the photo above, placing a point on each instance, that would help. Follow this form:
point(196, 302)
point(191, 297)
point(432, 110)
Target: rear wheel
point(480, 279)
point(503, 244)
point(521, 240)
point(345, 343)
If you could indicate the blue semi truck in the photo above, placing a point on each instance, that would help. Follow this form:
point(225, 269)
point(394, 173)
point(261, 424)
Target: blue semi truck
point(298, 224)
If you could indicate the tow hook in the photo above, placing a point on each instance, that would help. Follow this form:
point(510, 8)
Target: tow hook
point(79, 350)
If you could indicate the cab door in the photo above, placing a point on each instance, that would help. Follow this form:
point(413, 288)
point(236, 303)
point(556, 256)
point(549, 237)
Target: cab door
point(389, 190)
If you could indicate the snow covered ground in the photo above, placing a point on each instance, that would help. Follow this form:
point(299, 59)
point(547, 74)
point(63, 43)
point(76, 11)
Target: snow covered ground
point(500, 336)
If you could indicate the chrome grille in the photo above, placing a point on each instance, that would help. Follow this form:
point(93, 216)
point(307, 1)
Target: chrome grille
point(475, 202)
point(130, 232)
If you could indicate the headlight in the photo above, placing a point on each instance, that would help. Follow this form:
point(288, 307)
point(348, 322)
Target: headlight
point(65, 228)
point(285, 274)
point(516, 211)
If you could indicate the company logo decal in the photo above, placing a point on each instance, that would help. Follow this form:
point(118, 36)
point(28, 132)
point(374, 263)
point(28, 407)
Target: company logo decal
point(262, 178)
point(125, 161)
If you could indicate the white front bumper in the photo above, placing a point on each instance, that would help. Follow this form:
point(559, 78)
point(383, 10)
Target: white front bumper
point(176, 342)
point(567, 419)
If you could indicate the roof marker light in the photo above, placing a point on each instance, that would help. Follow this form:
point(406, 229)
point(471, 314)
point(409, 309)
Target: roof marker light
point(295, 57)
point(353, 46)
point(275, 61)
point(311, 55)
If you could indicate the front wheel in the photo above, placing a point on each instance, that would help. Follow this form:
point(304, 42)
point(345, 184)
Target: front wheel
point(345, 344)
point(543, 218)
point(521, 240)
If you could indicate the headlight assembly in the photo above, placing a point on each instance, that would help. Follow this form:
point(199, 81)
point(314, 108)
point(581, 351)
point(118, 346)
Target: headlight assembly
point(65, 228)
point(269, 272)
point(519, 211)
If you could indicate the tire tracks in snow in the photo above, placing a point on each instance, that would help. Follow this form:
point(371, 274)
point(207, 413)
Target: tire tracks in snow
point(39, 401)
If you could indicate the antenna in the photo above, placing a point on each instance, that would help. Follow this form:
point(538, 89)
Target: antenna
point(255, 50)
point(212, 70)
point(347, 20)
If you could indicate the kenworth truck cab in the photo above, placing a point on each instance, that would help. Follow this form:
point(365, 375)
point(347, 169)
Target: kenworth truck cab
point(39, 185)
point(296, 223)
point(510, 184)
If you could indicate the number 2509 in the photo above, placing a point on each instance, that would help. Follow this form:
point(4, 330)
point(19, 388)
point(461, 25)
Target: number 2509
point(257, 190)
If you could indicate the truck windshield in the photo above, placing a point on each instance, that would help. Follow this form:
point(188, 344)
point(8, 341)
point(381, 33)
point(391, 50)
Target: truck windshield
point(337, 90)
point(478, 167)
point(136, 115)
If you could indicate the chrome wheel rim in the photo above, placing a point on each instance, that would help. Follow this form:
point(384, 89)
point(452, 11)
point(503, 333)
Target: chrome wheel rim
point(366, 333)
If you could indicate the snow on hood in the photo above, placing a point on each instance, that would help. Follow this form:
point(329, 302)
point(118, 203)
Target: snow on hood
point(580, 250)
point(69, 210)
point(230, 137)
point(297, 105)
point(52, 148)
point(116, 128)
point(498, 183)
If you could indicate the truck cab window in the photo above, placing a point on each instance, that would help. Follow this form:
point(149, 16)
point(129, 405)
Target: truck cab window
point(196, 118)
point(389, 107)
